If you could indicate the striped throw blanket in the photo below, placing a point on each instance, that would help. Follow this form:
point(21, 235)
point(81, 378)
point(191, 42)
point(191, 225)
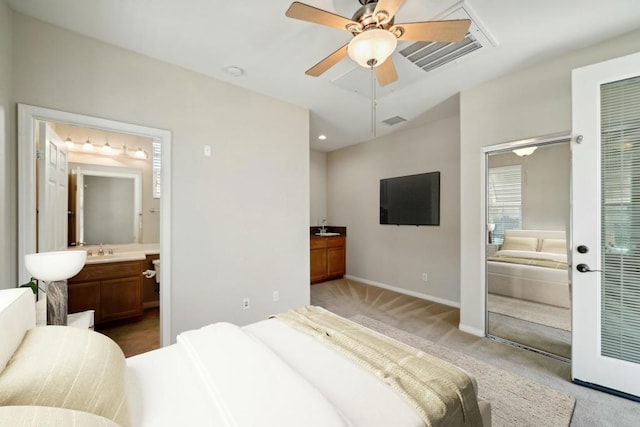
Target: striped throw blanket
point(442, 394)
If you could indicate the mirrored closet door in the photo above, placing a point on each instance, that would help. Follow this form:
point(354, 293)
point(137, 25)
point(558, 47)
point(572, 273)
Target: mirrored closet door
point(527, 281)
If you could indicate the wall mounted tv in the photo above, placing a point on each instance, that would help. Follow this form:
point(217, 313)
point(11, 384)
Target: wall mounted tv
point(410, 200)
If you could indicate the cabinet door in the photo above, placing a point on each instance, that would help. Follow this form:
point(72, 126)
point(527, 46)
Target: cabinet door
point(121, 298)
point(336, 262)
point(84, 296)
point(318, 265)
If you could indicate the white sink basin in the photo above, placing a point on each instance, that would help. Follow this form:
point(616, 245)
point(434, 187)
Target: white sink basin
point(327, 234)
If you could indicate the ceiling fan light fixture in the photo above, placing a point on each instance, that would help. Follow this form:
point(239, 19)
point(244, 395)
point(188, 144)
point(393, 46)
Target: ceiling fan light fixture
point(372, 47)
point(523, 152)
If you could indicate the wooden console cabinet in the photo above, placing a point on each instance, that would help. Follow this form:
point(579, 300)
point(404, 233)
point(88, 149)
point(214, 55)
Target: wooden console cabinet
point(113, 290)
point(328, 258)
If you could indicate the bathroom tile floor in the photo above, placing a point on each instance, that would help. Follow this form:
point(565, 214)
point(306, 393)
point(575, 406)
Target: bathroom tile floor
point(136, 337)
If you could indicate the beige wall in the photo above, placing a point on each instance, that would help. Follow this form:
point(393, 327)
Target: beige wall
point(532, 102)
point(396, 256)
point(239, 218)
point(545, 185)
point(318, 187)
point(8, 160)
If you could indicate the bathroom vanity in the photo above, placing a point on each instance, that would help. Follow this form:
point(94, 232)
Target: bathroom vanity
point(113, 290)
point(112, 283)
point(327, 253)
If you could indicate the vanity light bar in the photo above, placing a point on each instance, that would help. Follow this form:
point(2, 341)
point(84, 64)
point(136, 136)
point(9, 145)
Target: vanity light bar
point(106, 149)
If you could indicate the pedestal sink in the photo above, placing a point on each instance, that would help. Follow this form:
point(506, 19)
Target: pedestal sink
point(54, 268)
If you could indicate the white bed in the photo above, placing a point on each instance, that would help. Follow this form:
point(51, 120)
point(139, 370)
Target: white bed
point(267, 373)
point(531, 282)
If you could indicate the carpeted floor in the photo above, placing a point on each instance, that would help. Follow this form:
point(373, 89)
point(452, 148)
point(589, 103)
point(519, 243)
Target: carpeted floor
point(515, 400)
point(439, 324)
point(543, 314)
point(540, 326)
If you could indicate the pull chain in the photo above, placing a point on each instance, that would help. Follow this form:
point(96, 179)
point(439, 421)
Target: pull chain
point(373, 102)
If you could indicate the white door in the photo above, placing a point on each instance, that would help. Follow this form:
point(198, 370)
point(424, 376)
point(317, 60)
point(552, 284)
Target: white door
point(52, 190)
point(606, 225)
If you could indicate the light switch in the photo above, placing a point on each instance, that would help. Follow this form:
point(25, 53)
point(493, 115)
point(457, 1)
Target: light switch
point(207, 151)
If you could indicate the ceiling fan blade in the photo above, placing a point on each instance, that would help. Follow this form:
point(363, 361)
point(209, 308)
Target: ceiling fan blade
point(389, 6)
point(327, 62)
point(304, 12)
point(386, 72)
point(434, 31)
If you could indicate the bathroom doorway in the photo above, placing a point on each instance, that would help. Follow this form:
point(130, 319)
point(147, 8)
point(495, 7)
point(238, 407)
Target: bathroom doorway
point(98, 132)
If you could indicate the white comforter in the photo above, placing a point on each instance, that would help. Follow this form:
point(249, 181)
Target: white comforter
point(249, 385)
point(166, 389)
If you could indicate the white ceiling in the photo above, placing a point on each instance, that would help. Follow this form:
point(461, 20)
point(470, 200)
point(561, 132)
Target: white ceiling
point(209, 35)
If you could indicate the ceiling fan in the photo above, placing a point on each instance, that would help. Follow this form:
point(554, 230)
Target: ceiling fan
point(376, 34)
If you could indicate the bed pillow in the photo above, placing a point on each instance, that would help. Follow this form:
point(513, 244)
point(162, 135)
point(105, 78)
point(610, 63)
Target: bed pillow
point(68, 368)
point(518, 243)
point(17, 315)
point(43, 416)
point(556, 246)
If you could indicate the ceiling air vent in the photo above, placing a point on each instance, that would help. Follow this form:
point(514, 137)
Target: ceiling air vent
point(394, 120)
point(431, 55)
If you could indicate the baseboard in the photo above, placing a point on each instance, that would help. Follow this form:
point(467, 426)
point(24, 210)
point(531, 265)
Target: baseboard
point(404, 291)
point(473, 331)
point(150, 304)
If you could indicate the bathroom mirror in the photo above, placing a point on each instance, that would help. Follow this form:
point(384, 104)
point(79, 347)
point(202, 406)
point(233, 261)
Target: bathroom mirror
point(104, 205)
point(115, 202)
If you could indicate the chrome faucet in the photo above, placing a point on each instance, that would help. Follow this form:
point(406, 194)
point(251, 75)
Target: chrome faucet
point(100, 250)
point(323, 227)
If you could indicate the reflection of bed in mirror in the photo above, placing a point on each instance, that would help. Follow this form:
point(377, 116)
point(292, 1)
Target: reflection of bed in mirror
point(531, 265)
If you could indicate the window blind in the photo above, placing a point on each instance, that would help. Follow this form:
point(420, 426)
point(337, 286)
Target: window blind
point(620, 224)
point(156, 169)
point(505, 200)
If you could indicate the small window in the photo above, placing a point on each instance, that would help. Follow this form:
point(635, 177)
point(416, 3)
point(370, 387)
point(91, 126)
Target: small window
point(505, 200)
point(157, 151)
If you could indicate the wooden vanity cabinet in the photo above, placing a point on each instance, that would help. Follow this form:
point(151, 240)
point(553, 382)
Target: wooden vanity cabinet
point(328, 258)
point(319, 261)
point(113, 290)
point(336, 257)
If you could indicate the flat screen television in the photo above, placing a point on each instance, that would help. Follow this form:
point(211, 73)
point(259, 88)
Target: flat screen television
point(410, 200)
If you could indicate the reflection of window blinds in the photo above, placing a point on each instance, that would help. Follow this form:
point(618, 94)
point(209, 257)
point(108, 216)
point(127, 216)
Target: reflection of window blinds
point(620, 225)
point(156, 169)
point(505, 200)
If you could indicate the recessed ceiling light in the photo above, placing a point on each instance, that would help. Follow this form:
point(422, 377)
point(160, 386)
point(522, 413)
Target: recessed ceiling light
point(234, 71)
point(322, 137)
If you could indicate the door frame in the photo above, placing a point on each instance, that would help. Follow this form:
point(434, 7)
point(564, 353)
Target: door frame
point(484, 208)
point(28, 115)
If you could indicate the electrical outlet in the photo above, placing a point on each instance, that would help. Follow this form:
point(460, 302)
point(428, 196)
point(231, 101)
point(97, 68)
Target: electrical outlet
point(276, 296)
point(424, 277)
point(246, 304)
